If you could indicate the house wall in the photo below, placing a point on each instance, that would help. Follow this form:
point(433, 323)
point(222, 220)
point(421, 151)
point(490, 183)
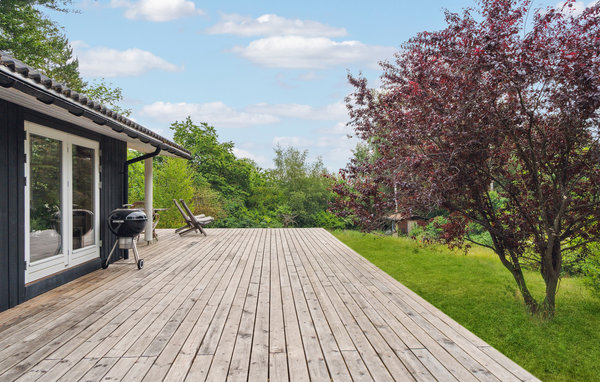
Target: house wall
point(11, 218)
point(13, 290)
point(4, 292)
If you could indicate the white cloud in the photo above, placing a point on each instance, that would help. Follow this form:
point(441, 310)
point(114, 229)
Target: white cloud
point(213, 113)
point(574, 9)
point(221, 115)
point(324, 141)
point(79, 45)
point(297, 52)
point(292, 141)
point(259, 159)
point(106, 62)
point(157, 10)
point(273, 25)
point(333, 112)
point(340, 128)
point(333, 148)
point(308, 76)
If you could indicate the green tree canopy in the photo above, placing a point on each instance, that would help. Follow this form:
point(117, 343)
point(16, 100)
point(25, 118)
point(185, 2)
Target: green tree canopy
point(30, 36)
point(104, 92)
point(303, 186)
point(214, 160)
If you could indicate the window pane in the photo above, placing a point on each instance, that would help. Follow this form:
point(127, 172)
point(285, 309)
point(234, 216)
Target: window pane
point(83, 197)
point(45, 198)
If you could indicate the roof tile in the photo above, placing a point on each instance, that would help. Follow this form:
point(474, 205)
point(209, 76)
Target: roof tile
point(59, 90)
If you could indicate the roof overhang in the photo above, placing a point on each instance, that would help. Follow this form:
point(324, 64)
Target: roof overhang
point(30, 94)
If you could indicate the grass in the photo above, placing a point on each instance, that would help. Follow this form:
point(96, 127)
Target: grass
point(478, 292)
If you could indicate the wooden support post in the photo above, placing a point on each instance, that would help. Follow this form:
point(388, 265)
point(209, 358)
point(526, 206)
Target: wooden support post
point(148, 198)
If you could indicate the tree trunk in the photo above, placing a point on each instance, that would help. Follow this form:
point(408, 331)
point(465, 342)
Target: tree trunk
point(548, 306)
point(550, 269)
point(515, 269)
point(530, 302)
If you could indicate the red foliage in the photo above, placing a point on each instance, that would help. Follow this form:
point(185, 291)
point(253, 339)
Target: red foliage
point(481, 102)
point(361, 197)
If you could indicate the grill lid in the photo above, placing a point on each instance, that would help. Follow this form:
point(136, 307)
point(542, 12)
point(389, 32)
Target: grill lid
point(127, 222)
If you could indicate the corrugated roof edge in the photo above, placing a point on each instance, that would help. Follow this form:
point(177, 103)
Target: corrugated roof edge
point(51, 90)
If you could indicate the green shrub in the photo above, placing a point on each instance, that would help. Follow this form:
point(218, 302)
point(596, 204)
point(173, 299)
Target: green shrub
point(328, 220)
point(431, 231)
point(591, 270)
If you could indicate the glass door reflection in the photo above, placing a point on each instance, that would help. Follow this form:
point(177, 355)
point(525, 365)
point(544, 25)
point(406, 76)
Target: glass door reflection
point(45, 198)
point(83, 197)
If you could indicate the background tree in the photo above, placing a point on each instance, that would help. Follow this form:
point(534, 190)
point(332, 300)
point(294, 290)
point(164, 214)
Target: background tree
point(236, 191)
point(30, 36)
point(484, 102)
point(304, 189)
point(361, 193)
point(214, 161)
point(107, 94)
point(301, 184)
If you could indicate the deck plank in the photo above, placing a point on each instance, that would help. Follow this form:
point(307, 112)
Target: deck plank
point(242, 304)
point(240, 359)
point(220, 338)
point(60, 332)
point(334, 359)
point(297, 363)
point(377, 314)
point(384, 301)
point(188, 330)
point(315, 360)
point(278, 365)
point(259, 354)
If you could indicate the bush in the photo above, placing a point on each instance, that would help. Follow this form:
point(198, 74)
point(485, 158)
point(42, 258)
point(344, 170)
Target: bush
point(208, 202)
point(171, 181)
point(431, 231)
point(326, 219)
point(591, 270)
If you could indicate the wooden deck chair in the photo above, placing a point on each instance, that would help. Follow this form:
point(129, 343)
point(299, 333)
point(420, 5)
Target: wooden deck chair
point(189, 226)
point(193, 222)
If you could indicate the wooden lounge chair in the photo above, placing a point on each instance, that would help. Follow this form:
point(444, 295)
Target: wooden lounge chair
point(193, 222)
point(189, 224)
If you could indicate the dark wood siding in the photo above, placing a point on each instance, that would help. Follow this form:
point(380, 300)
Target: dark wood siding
point(114, 155)
point(4, 203)
point(12, 263)
point(13, 290)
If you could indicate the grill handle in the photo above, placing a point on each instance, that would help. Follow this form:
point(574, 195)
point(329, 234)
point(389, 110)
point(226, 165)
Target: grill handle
point(110, 223)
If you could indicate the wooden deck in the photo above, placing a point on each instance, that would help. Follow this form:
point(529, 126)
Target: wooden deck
point(242, 304)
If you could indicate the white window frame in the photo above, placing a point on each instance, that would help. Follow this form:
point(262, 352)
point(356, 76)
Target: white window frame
point(69, 257)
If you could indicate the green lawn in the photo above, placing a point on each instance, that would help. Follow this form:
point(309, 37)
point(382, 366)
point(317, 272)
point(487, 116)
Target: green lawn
point(479, 293)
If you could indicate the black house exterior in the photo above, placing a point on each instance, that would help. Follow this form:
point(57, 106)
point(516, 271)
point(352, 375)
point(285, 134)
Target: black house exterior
point(62, 170)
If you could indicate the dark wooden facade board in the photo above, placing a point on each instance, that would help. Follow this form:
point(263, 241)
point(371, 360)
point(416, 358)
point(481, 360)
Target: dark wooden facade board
point(4, 203)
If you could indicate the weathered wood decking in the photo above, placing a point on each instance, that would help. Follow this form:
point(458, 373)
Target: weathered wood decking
point(242, 304)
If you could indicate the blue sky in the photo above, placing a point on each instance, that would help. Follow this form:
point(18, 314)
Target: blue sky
point(263, 73)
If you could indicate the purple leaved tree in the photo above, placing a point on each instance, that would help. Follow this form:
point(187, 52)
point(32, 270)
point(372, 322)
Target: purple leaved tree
point(491, 100)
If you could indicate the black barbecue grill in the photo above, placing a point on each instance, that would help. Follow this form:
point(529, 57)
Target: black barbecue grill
point(126, 224)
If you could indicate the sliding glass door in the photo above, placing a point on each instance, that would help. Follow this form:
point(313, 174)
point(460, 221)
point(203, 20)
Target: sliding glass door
point(61, 201)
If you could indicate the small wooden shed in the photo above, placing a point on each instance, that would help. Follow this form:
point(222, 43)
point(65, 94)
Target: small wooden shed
point(403, 223)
